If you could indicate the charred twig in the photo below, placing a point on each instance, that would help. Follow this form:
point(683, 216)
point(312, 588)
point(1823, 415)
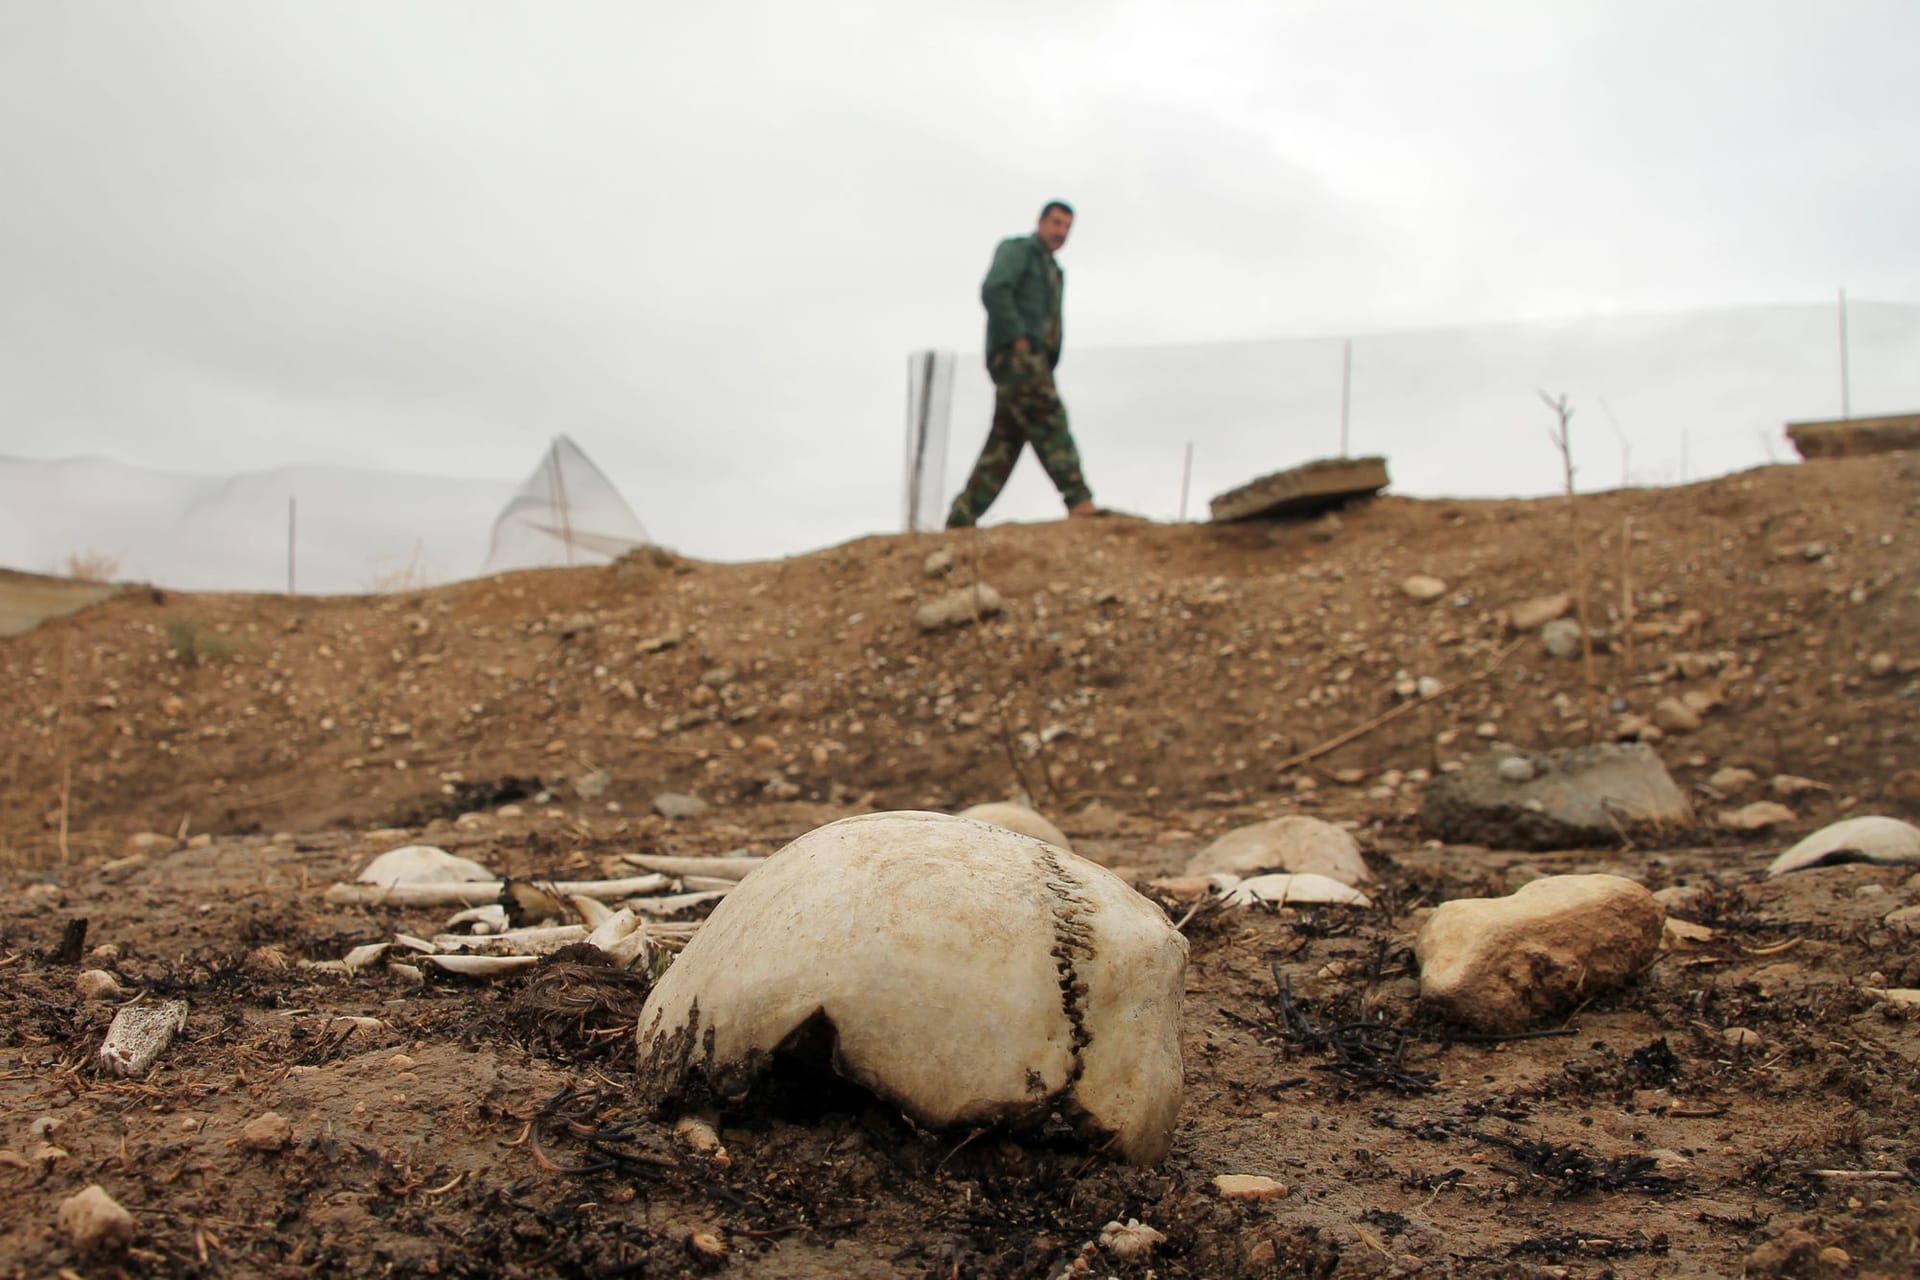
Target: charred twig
point(1366, 1052)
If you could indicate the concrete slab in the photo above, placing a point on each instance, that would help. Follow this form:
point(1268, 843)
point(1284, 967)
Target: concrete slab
point(29, 599)
point(1855, 437)
point(1302, 490)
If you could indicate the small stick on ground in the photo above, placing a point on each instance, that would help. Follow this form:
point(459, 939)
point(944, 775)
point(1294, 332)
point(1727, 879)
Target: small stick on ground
point(1368, 726)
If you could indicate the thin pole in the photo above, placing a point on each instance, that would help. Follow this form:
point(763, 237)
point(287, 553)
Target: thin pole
point(1846, 386)
point(1186, 476)
point(557, 491)
point(1346, 390)
point(290, 526)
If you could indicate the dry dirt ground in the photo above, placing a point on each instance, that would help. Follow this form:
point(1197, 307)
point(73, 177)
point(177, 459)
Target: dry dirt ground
point(1150, 687)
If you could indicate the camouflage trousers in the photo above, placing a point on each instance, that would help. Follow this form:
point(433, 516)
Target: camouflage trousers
point(1026, 410)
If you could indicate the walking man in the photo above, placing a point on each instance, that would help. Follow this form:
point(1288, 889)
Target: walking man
point(1022, 296)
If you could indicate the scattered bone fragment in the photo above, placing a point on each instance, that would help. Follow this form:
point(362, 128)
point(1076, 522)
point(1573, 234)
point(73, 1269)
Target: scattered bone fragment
point(698, 1135)
point(491, 918)
point(623, 938)
point(477, 893)
point(94, 1221)
point(706, 1245)
point(536, 940)
point(481, 966)
point(1283, 889)
point(1044, 979)
point(1501, 964)
point(1021, 818)
point(730, 867)
point(1129, 1239)
point(674, 903)
point(140, 1032)
point(362, 956)
point(1864, 839)
point(1248, 1186)
point(422, 864)
point(1761, 815)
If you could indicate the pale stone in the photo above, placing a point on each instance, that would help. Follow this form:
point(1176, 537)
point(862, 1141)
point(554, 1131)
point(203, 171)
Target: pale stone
point(938, 561)
point(1423, 587)
point(1787, 786)
point(1516, 769)
point(966, 974)
point(1248, 1186)
point(97, 984)
point(1758, 816)
point(1744, 1039)
point(1561, 637)
point(1869, 838)
point(1293, 843)
point(1129, 1239)
point(959, 607)
point(94, 1221)
point(422, 864)
point(1018, 817)
point(1675, 716)
point(1501, 964)
point(1731, 781)
point(673, 804)
point(1530, 615)
point(267, 1132)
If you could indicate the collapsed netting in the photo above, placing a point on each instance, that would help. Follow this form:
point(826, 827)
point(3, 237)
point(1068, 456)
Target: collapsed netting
point(566, 513)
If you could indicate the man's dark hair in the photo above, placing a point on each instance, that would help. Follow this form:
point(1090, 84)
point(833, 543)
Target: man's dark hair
point(1061, 205)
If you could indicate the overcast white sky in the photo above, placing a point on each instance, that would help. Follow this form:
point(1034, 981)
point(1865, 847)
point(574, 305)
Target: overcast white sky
point(701, 239)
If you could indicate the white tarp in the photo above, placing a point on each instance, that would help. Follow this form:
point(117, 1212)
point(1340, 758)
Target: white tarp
point(566, 513)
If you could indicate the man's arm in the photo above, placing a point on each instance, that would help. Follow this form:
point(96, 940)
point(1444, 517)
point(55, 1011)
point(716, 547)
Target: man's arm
point(996, 291)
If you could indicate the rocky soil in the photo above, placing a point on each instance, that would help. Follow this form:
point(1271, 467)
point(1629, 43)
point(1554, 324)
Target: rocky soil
point(186, 773)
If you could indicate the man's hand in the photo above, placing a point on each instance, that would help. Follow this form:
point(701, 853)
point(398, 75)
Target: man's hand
point(1022, 345)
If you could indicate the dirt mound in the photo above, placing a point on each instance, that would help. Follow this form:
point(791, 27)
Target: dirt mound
point(1745, 1104)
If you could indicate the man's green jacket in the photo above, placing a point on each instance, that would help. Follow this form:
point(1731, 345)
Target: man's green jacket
point(1022, 296)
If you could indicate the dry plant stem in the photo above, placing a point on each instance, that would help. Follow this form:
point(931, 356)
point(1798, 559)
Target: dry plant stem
point(1626, 596)
point(1562, 440)
point(66, 755)
point(1368, 726)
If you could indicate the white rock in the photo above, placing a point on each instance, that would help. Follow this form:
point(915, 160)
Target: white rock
point(1020, 818)
point(938, 561)
point(966, 974)
point(422, 864)
point(1561, 637)
point(1283, 888)
point(1423, 587)
point(94, 1221)
point(1500, 964)
point(959, 607)
point(1865, 839)
point(1515, 769)
point(1293, 843)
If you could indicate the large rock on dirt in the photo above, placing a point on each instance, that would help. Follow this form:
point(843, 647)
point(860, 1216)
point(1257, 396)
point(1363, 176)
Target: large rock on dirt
point(1865, 839)
point(1501, 964)
point(966, 974)
point(1294, 843)
point(422, 864)
point(94, 1221)
point(1009, 816)
point(960, 607)
point(1580, 796)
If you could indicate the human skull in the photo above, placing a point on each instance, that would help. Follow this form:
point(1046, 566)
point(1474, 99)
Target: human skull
point(967, 974)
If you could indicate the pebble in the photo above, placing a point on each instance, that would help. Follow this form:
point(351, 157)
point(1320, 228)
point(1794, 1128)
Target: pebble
point(1294, 843)
point(1561, 637)
point(673, 804)
point(97, 984)
point(1423, 587)
point(268, 1132)
point(1009, 816)
point(1744, 1039)
point(1758, 816)
point(1529, 615)
point(937, 562)
point(95, 1221)
point(1515, 769)
point(1675, 716)
point(962, 606)
point(1731, 781)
